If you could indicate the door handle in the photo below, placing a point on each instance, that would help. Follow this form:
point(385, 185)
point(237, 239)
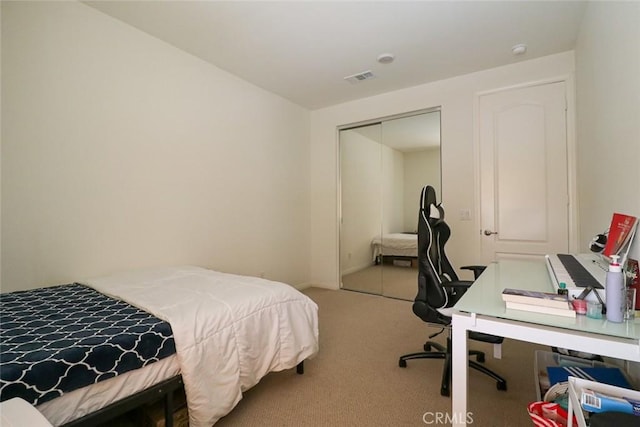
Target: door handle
point(489, 232)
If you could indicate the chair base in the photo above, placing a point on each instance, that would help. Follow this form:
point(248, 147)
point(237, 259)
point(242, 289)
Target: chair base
point(445, 353)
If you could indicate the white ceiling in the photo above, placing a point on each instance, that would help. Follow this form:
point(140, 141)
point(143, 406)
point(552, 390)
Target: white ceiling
point(302, 50)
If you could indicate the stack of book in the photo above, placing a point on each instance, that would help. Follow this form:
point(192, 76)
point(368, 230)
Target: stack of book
point(538, 302)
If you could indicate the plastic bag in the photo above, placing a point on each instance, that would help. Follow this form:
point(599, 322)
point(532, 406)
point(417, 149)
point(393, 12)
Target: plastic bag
point(548, 414)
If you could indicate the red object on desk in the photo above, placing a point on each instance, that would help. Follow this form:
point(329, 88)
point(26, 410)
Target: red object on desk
point(620, 232)
point(579, 306)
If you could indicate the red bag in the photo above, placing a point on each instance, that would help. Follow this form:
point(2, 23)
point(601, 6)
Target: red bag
point(548, 414)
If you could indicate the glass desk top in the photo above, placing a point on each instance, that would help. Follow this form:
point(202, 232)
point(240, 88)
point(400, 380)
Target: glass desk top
point(484, 297)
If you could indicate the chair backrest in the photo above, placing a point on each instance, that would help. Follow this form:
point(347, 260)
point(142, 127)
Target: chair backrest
point(433, 266)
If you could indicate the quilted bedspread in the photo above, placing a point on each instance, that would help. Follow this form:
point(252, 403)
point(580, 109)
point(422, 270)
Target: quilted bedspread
point(230, 330)
point(58, 339)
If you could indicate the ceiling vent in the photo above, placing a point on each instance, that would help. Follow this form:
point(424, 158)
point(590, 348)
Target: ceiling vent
point(360, 77)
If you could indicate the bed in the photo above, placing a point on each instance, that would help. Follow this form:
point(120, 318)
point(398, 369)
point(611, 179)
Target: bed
point(229, 331)
point(394, 245)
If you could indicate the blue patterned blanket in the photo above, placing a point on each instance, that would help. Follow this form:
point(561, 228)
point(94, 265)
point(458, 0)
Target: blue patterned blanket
point(55, 340)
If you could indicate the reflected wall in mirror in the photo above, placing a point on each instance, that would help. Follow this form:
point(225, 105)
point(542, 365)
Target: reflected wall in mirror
point(383, 167)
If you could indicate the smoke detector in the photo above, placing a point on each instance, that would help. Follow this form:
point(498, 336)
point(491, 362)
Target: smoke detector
point(519, 49)
point(360, 77)
point(386, 58)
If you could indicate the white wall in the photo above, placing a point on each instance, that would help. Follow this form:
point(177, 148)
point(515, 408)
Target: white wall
point(120, 151)
point(456, 96)
point(608, 116)
point(608, 119)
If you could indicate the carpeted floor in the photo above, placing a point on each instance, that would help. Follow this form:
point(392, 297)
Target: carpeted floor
point(355, 379)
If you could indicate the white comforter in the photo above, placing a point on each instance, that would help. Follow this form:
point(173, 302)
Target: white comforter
point(229, 330)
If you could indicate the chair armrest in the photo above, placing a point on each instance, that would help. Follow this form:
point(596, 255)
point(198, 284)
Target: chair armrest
point(458, 284)
point(477, 269)
point(456, 289)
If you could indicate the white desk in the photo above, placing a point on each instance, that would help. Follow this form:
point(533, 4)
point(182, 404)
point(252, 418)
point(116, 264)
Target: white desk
point(481, 309)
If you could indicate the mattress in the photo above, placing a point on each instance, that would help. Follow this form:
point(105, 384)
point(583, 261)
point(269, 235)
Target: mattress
point(395, 244)
point(86, 400)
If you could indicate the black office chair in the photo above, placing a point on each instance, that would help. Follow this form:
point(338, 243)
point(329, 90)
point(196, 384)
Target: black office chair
point(439, 289)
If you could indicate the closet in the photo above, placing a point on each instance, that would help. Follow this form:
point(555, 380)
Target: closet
point(384, 164)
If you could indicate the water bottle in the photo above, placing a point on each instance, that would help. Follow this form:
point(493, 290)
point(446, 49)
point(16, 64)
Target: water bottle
point(614, 291)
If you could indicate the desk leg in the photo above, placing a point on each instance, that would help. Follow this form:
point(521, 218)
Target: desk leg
point(460, 375)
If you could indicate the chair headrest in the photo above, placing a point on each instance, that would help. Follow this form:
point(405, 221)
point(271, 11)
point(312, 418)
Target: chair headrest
point(427, 197)
point(428, 204)
point(434, 212)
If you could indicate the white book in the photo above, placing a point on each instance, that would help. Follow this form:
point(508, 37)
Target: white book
point(547, 299)
point(540, 309)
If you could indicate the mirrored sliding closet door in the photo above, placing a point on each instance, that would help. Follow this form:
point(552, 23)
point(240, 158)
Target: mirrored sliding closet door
point(383, 167)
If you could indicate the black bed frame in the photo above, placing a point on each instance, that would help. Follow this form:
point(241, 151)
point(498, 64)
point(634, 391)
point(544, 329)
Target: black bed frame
point(164, 389)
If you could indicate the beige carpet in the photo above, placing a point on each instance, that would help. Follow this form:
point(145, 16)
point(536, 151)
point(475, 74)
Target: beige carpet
point(355, 379)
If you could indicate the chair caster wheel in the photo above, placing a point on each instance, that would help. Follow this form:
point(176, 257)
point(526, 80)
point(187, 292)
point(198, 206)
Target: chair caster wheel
point(426, 347)
point(501, 385)
point(480, 358)
point(402, 363)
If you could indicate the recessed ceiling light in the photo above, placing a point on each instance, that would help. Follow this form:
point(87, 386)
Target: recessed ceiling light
point(519, 49)
point(386, 58)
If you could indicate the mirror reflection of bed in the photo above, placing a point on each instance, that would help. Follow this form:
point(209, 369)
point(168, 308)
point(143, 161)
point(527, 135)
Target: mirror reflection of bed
point(383, 167)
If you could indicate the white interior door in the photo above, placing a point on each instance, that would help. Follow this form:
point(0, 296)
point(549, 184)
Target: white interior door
point(523, 172)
